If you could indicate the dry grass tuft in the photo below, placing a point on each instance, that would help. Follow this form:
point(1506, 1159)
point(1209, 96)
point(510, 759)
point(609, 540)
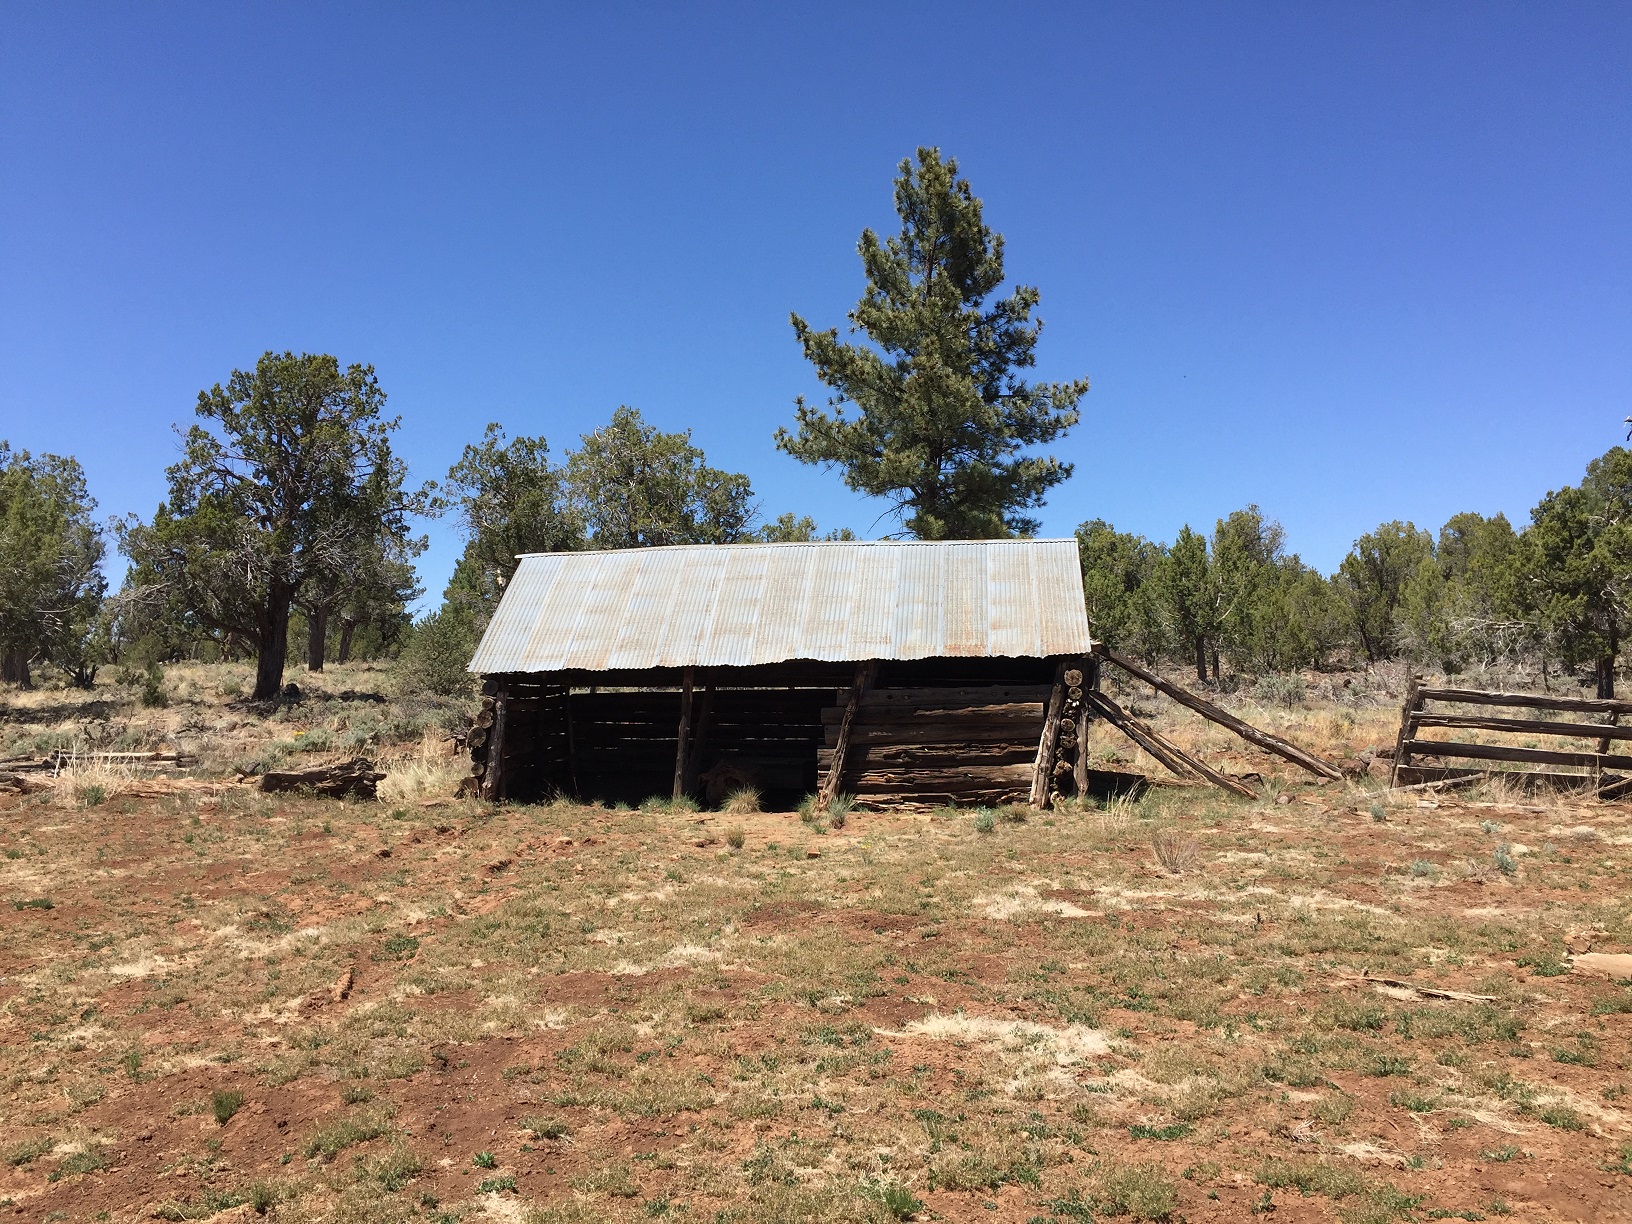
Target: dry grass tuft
point(1175, 851)
point(88, 781)
point(743, 801)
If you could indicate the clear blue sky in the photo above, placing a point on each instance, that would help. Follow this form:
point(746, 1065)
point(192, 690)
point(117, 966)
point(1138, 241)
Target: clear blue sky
point(1352, 262)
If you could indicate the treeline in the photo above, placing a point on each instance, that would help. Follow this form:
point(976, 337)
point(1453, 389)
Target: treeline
point(288, 523)
point(289, 516)
point(1479, 595)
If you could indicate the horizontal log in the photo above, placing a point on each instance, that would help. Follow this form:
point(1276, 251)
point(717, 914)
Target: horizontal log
point(1518, 756)
point(893, 716)
point(950, 733)
point(1417, 775)
point(940, 779)
point(944, 756)
point(357, 779)
point(1523, 726)
point(976, 695)
point(1537, 701)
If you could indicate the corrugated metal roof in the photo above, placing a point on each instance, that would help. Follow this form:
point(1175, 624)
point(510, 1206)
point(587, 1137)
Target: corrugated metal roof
point(724, 605)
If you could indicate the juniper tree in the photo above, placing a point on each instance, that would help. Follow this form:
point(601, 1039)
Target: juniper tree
point(943, 415)
point(293, 461)
point(50, 552)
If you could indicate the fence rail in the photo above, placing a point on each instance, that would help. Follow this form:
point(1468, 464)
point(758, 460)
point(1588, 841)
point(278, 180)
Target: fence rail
point(1591, 769)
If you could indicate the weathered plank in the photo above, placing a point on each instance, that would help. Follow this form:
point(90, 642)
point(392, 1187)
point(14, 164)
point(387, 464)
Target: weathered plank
point(1211, 712)
point(1538, 701)
point(1524, 726)
point(1517, 756)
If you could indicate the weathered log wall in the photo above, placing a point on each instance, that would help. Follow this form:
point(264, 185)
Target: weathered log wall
point(968, 745)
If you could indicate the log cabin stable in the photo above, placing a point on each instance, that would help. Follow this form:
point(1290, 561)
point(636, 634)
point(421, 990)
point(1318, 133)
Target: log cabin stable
point(921, 673)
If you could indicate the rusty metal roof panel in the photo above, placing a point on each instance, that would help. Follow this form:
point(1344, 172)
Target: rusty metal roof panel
point(745, 604)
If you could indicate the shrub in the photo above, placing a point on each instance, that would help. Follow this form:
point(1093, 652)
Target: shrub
point(1144, 1191)
point(735, 837)
point(896, 1200)
point(224, 1104)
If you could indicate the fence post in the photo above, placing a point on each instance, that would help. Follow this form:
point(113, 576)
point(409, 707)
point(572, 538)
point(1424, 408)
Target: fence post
point(1408, 713)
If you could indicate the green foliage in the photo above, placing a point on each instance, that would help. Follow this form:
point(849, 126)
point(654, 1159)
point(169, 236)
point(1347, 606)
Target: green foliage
point(153, 693)
point(437, 651)
point(510, 499)
point(1117, 579)
point(224, 1104)
point(291, 474)
point(1372, 581)
point(1577, 557)
point(944, 415)
point(50, 552)
point(633, 487)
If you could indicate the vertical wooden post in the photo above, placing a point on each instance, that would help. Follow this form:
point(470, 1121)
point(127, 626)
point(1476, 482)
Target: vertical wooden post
point(835, 768)
point(1042, 774)
point(572, 744)
point(684, 737)
point(699, 738)
point(1408, 713)
point(493, 781)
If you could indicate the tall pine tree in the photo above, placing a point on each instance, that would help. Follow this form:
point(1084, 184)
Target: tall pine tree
point(944, 415)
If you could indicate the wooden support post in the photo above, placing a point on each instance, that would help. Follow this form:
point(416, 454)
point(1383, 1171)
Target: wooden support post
point(1211, 712)
point(835, 769)
point(572, 744)
point(699, 737)
point(1168, 753)
point(493, 779)
point(682, 740)
point(1042, 774)
point(1408, 716)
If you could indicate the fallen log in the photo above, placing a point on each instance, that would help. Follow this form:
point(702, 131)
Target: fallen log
point(351, 779)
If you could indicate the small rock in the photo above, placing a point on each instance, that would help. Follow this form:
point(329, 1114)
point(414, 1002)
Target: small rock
point(383, 852)
point(812, 852)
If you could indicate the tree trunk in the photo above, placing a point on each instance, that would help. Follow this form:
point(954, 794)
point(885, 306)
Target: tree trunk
point(1605, 670)
point(1215, 664)
point(273, 646)
point(1201, 660)
point(317, 633)
point(348, 626)
point(14, 668)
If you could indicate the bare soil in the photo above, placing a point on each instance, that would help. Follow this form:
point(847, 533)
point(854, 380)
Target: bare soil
point(427, 1009)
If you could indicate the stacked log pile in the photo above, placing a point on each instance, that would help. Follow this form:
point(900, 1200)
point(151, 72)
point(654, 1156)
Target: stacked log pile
point(939, 745)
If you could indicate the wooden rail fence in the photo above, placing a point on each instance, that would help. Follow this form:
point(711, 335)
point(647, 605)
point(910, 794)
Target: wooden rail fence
point(1593, 769)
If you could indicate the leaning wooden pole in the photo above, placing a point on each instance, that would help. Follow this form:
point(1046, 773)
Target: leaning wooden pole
point(1209, 711)
point(1168, 753)
point(835, 768)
